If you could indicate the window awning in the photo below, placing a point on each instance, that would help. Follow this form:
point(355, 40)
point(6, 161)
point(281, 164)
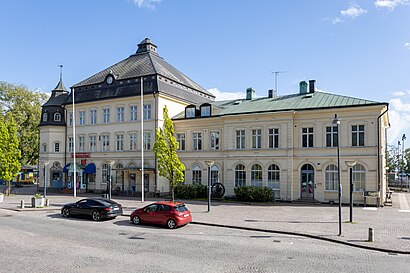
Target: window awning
point(90, 168)
point(69, 168)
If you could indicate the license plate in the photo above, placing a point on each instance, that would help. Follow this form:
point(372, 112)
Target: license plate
point(186, 215)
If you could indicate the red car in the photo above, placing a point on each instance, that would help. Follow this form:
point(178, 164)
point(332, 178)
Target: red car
point(171, 214)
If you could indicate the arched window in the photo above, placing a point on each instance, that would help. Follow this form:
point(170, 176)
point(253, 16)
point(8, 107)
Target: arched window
point(45, 116)
point(214, 174)
point(119, 178)
point(359, 177)
point(105, 173)
point(196, 175)
point(240, 175)
point(274, 177)
point(331, 178)
point(256, 175)
point(57, 117)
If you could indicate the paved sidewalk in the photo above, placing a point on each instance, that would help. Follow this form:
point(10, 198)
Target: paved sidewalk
point(391, 224)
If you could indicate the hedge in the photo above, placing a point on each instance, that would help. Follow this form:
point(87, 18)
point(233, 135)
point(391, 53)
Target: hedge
point(253, 194)
point(190, 191)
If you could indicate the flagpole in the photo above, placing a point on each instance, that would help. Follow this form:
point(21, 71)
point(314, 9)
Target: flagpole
point(74, 163)
point(142, 140)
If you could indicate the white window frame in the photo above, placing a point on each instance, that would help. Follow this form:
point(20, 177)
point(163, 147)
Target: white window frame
point(147, 111)
point(181, 141)
point(106, 115)
point(214, 140)
point(133, 112)
point(256, 138)
point(93, 143)
point(331, 178)
point(273, 136)
point(240, 139)
point(119, 147)
point(120, 114)
point(81, 117)
point(197, 141)
point(93, 116)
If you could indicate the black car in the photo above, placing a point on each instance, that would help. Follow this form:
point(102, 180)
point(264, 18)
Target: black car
point(96, 208)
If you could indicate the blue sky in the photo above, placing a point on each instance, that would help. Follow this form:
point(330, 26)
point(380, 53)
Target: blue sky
point(353, 48)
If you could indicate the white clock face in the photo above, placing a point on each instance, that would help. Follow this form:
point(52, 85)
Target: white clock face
point(110, 80)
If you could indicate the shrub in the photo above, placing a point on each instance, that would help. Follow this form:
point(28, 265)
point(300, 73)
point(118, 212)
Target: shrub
point(253, 194)
point(190, 191)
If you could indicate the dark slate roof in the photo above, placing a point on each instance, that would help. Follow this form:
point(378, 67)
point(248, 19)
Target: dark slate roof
point(59, 95)
point(145, 62)
point(295, 102)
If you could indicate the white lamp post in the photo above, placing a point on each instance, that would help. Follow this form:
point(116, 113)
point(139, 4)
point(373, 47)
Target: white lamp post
point(210, 163)
point(45, 163)
point(336, 122)
point(110, 163)
point(351, 164)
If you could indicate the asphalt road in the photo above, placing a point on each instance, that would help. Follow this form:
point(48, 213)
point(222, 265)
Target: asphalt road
point(46, 242)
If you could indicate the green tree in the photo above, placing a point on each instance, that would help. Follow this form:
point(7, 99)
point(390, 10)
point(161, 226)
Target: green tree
point(24, 106)
point(9, 149)
point(165, 149)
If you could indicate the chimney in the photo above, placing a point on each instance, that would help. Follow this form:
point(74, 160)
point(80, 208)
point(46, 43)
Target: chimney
point(311, 86)
point(250, 93)
point(270, 93)
point(303, 87)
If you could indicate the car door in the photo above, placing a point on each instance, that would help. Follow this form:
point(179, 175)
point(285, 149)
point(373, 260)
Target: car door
point(77, 209)
point(149, 215)
point(163, 214)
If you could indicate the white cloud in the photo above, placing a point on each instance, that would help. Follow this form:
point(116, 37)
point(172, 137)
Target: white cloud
point(399, 117)
point(226, 95)
point(398, 94)
point(353, 11)
point(149, 4)
point(407, 45)
point(337, 20)
point(390, 4)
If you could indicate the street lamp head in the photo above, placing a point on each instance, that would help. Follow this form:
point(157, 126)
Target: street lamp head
point(110, 162)
point(351, 163)
point(210, 163)
point(403, 137)
point(45, 162)
point(336, 120)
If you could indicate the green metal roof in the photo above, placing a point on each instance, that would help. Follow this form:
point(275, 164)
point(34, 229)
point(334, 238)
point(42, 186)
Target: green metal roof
point(295, 102)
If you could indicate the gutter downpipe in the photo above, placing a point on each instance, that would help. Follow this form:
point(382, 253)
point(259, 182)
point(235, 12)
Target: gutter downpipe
point(378, 149)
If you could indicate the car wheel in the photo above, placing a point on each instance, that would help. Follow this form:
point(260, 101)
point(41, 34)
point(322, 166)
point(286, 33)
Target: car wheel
point(66, 212)
point(171, 224)
point(96, 215)
point(136, 220)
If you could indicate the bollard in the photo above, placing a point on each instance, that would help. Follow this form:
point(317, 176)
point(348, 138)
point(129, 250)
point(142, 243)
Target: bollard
point(22, 204)
point(47, 202)
point(371, 235)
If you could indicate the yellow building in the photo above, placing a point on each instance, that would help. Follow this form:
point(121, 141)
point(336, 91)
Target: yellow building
point(288, 143)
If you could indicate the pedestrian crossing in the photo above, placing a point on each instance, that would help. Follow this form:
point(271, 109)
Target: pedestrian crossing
point(403, 203)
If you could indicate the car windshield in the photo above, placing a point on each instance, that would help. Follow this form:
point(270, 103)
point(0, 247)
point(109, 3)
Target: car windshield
point(181, 208)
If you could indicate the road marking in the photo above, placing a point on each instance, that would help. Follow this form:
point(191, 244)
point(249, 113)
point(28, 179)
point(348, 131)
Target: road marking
point(366, 208)
point(404, 205)
point(404, 210)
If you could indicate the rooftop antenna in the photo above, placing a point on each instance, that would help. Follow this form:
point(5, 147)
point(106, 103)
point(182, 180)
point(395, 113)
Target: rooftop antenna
point(276, 78)
point(61, 72)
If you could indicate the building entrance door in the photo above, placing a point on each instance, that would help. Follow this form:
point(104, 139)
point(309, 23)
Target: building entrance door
point(307, 181)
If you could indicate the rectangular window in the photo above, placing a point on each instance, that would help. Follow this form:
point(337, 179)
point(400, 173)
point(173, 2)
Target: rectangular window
point(215, 140)
point(357, 135)
point(133, 141)
point(106, 115)
point(190, 112)
point(82, 117)
point(273, 138)
point(181, 141)
point(133, 113)
point(147, 140)
point(120, 142)
point(147, 111)
point(120, 114)
point(81, 143)
point(240, 139)
point(70, 144)
point(70, 118)
point(256, 139)
point(307, 137)
point(105, 143)
point(197, 141)
point(205, 111)
point(93, 143)
point(331, 136)
point(57, 147)
point(93, 116)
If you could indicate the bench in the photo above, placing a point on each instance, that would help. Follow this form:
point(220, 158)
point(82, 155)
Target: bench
point(371, 194)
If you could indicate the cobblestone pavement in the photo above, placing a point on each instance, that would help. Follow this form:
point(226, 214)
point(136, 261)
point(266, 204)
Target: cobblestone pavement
point(391, 224)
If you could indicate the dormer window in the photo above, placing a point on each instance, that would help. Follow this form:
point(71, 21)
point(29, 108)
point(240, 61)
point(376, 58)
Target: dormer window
point(190, 112)
point(205, 110)
point(57, 117)
point(45, 116)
